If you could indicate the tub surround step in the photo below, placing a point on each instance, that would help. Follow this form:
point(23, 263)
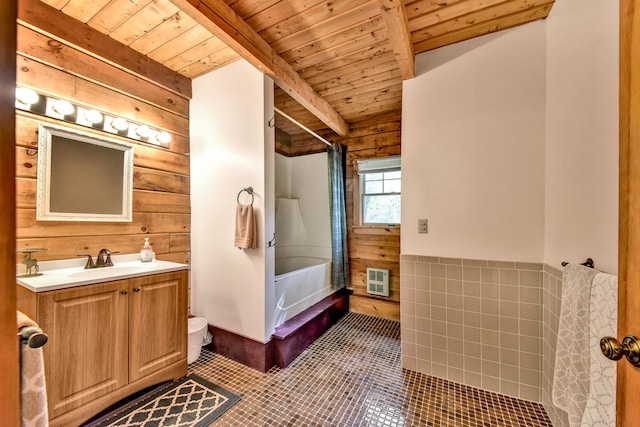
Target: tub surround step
point(289, 339)
point(300, 320)
point(249, 352)
point(296, 334)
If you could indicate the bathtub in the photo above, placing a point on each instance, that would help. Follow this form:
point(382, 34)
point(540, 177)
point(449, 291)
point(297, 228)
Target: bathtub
point(300, 282)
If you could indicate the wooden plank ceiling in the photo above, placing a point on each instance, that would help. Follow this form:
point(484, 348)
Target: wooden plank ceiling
point(335, 61)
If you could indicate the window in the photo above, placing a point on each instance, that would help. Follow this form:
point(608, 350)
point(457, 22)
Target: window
point(380, 183)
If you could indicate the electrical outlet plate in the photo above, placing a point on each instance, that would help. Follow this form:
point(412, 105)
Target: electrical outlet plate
point(423, 226)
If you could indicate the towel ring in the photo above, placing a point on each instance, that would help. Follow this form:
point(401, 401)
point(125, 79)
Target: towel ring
point(248, 190)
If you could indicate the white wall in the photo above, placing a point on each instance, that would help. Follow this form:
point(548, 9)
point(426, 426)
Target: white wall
point(306, 178)
point(232, 148)
point(582, 133)
point(510, 142)
point(473, 148)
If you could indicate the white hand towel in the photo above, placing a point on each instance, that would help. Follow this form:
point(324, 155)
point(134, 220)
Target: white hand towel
point(571, 373)
point(600, 409)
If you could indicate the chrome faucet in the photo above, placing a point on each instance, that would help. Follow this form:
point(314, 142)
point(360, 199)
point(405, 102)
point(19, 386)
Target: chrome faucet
point(100, 259)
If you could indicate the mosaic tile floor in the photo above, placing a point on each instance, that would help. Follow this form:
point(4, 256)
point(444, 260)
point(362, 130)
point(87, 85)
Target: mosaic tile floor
point(352, 376)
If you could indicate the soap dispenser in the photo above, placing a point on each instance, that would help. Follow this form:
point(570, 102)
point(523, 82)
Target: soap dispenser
point(146, 254)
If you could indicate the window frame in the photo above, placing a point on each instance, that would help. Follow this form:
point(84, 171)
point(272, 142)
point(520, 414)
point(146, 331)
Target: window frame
point(358, 193)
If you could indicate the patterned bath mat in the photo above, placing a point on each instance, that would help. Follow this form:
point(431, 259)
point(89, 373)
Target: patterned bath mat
point(188, 402)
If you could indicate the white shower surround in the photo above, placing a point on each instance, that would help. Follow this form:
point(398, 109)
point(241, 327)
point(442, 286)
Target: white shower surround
point(305, 179)
point(303, 234)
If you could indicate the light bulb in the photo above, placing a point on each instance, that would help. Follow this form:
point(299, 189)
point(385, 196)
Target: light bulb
point(143, 131)
point(163, 137)
point(119, 124)
point(26, 95)
point(63, 107)
point(93, 116)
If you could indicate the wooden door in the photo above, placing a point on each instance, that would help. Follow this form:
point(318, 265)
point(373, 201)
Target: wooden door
point(157, 323)
point(628, 409)
point(87, 353)
point(9, 385)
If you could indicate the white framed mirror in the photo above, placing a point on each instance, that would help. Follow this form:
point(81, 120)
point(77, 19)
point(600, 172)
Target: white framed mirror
point(83, 176)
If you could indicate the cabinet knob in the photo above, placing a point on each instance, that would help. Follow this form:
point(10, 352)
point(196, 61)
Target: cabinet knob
point(136, 289)
point(123, 292)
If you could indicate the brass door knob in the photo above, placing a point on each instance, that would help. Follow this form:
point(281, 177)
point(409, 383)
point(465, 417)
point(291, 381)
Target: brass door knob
point(630, 347)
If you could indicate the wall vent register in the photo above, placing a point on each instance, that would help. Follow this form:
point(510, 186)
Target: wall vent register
point(378, 281)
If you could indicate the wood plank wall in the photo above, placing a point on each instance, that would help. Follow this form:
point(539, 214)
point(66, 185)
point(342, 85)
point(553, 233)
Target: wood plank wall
point(378, 136)
point(372, 247)
point(55, 56)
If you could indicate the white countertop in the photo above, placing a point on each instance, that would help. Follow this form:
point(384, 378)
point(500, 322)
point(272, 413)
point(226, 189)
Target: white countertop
point(69, 273)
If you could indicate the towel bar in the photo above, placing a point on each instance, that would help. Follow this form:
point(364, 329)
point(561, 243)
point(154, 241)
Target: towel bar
point(34, 337)
point(588, 263)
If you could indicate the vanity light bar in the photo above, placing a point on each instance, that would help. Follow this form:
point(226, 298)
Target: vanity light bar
point(29, 100)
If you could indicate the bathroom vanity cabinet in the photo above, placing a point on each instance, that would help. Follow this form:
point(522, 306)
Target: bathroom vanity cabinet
point(109, 340)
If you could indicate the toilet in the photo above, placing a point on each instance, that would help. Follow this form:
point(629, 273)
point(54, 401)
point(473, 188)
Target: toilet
point(198, 336)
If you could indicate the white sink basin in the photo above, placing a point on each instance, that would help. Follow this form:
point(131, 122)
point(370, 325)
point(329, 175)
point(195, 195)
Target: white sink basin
point(115, 270)
point(58, 274)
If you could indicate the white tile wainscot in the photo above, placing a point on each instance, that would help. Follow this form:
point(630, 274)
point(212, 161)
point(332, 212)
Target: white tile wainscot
point(475, 322)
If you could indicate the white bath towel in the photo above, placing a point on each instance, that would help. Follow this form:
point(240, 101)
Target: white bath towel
point(600, 409)
point(571, 373)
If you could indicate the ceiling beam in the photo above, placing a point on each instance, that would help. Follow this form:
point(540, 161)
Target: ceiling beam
point(395, 19)
point(223, 22)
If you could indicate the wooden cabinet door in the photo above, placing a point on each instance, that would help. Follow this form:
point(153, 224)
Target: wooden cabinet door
point(157, 322)
point(86, 356)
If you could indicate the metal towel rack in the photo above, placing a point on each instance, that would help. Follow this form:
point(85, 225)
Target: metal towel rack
point(588, 263)
point(33, 336)
point(248, 190)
